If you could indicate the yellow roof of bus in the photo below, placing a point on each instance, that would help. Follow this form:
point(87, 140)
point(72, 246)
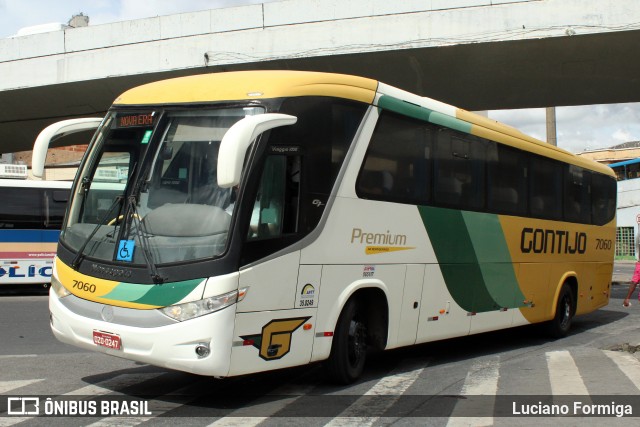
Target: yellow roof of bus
point(250, 85)
point(265, 84)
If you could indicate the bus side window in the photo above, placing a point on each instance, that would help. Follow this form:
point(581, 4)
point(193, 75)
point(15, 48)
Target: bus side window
point(577, 195)
point(55, 203)
point(545, 185)
point(21, 209)
point(275, 210)
point(603, 198)
point(459, 170)
point(397, 167)
point(507, 180)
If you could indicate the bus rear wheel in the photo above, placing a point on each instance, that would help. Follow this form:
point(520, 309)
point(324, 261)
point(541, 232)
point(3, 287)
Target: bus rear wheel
point(349, 347)
point(559, 326)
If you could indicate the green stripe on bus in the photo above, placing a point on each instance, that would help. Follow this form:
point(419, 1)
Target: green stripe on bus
point(494, 258)
point(474, 259)
point(457, 258)
point(128, 292)
point(168, 293)
point(422, 113)
point(158, 295)
point(450, 122)
point(405, 108)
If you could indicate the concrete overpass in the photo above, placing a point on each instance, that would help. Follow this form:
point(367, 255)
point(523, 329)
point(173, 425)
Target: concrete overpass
point(476, 54)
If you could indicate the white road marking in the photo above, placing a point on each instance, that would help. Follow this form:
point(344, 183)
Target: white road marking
point(482, 380)
point(266, 407)
point(628, 364)
point(7, 386)
point(564, 374)
point(366, 411)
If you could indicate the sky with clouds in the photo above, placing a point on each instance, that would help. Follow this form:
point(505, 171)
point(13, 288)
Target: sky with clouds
point(579, 128)
point(16, 14)
point(586, 127)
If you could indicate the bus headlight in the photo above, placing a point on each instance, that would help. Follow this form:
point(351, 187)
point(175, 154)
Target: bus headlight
point(57, 287)
point(190, 310)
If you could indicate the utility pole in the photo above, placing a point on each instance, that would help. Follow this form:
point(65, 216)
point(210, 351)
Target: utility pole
point(551, 126)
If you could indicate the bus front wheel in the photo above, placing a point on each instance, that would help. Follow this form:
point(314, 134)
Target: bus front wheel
point(559, 326)
point(349, 347)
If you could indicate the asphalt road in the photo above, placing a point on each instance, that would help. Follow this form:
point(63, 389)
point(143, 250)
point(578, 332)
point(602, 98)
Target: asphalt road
point(623, 271)
point(455, 382)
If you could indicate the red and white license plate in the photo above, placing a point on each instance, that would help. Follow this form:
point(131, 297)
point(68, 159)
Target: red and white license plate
point(104, 339)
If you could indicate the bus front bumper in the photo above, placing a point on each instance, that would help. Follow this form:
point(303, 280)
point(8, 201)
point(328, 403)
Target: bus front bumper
point(171, 346)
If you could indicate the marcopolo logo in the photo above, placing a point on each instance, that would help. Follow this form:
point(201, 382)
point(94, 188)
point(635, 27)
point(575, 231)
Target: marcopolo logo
point(379, 242)
point(110, 272)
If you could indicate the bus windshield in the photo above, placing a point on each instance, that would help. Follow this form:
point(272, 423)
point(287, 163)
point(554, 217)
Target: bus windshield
point(147, 200)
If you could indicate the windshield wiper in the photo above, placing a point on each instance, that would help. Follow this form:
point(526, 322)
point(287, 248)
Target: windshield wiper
point(141, 232)
point(77, 260)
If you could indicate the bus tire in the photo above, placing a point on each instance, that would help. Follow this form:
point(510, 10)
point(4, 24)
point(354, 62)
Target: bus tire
point(559, 326)
point(349, 347)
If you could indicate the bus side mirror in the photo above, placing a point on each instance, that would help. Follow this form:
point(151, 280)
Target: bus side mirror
point(53, 132)
point(238, 138)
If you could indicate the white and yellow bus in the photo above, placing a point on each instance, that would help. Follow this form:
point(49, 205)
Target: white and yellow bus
point(270, 219)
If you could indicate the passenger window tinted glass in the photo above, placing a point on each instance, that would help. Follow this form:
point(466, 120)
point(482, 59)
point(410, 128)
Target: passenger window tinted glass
point(21, 208)
point(546, 188)
point(55, 206)
point(459, 164)
point(398, 163)
point(416, 162)
point(577, 195)
point(507, 186)
point(603, 198)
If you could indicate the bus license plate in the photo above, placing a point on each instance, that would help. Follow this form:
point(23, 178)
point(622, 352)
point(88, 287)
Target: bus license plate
point(104, 339)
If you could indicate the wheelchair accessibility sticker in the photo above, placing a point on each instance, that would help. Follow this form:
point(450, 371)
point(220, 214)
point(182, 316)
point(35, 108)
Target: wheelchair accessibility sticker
point(125, 250)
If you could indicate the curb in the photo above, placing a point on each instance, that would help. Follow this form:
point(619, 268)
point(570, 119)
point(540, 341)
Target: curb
point(619, 283)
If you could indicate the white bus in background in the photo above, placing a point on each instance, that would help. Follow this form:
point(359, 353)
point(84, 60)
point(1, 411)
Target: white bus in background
point(31, 212)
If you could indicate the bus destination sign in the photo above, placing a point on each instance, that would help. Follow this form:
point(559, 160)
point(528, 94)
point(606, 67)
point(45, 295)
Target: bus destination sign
point(135, 120)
